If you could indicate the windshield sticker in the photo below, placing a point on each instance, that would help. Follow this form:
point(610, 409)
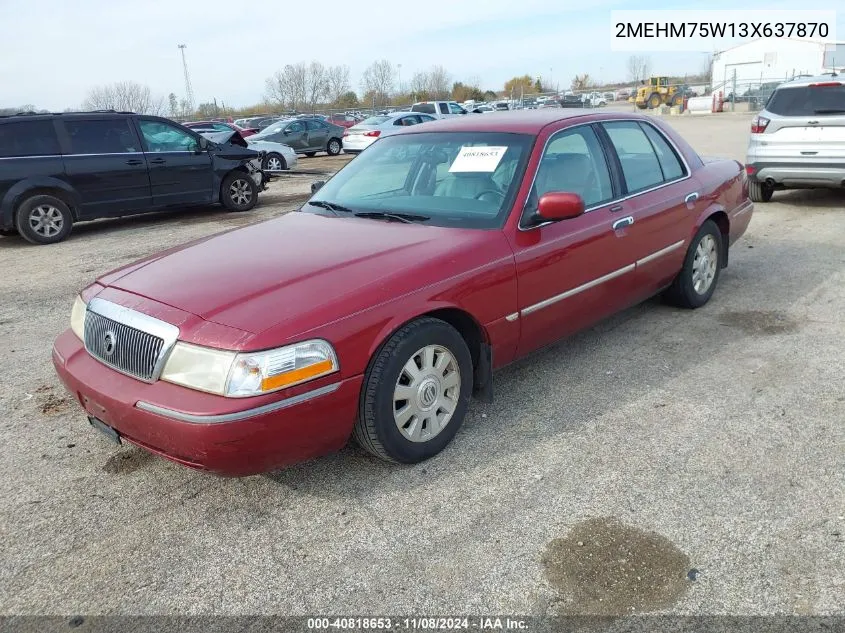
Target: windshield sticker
point(478, 159)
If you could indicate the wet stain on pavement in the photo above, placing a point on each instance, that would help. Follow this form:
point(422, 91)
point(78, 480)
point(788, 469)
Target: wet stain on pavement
point(51, 404)
point(760, 321)
point(127, 462)
point(604, 567)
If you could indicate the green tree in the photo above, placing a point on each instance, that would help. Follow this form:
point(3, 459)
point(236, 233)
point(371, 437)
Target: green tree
point(348, 100)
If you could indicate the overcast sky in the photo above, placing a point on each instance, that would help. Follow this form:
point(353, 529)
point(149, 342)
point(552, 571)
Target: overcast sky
point(53, 51)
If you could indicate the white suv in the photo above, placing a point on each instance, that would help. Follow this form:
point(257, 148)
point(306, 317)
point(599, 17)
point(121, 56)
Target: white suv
point(798, 139)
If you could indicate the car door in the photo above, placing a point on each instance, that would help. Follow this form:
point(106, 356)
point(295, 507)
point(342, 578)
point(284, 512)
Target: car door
point(105, 164)
point(663, 200)
point(574, 272)
point(318, 134)
point(180, 171)
point(294, 135)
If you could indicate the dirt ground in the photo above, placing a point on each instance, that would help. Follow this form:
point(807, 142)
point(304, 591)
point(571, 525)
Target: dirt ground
point(705, 448)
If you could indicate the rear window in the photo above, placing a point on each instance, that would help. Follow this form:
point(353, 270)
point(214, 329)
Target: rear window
point(375, 120)
point(808, 100)
point(428, 108)
point(28, 138)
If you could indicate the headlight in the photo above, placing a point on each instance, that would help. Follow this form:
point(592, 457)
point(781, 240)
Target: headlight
point(77, 317)
point(251, 373)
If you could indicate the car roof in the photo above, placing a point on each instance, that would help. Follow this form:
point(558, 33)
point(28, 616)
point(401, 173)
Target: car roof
point(521, 121)
point(49, 115)
point(806, 81)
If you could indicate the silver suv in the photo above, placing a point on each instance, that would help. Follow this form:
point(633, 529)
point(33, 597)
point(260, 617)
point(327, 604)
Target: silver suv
point(798, 139)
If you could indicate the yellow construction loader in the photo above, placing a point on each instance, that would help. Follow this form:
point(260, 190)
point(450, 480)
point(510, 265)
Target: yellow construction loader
point(656, 91)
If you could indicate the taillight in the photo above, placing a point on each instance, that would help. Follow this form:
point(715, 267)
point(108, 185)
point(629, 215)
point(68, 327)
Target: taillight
point(758, 124)
point(372, 133)
point(826, 84)
point(750, 170)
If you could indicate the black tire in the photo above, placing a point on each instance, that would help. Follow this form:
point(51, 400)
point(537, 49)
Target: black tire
point(760, 191)
point(310, 154)
point(654, 101)
point(678, 99)
point(376, 429)
point(334, 147)
point(238, 192)
point(8, 232)
point(682, 292)
point(276, 160)
point(43, 219)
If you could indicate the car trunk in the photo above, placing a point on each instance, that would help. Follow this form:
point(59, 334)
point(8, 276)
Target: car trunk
point(807, 123)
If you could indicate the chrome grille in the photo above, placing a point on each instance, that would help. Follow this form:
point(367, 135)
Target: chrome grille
point(124, 348)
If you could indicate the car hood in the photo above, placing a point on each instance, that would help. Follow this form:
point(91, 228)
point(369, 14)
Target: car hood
point(302, 270)
point(230, 145)
point(269, 146)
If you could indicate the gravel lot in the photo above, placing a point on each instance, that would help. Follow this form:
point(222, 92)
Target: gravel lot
point(712, 439)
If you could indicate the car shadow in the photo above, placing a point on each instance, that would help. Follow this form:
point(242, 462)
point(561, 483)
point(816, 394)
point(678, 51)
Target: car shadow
point(571, 384)
point(827, 199)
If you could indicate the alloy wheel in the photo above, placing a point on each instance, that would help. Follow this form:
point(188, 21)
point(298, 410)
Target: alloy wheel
point(240, 192)
point(46, 220)
point(704, 264)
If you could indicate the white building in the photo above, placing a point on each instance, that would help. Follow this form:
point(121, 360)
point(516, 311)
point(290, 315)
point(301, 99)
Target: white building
point(770, 60)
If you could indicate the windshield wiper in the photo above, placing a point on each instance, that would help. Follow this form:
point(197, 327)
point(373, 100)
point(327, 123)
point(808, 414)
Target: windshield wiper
point(410, 218)
point(337, 209)
point(830, 111)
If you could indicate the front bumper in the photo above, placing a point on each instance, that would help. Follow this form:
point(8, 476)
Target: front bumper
point(203, 431)
point(799, 174)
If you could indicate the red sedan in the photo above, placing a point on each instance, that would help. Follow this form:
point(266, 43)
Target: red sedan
point(380, 308)
point(220, 126)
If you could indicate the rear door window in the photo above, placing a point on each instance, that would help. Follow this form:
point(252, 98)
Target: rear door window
point(444, 108)
point(105, 136)
point(666, 156)
point(28, 138)
point(636, 154)
point(826, 98)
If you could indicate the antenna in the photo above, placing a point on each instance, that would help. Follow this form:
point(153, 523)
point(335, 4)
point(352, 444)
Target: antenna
point(189, 93)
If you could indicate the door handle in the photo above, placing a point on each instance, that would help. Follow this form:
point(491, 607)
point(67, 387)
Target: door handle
point(621, 223)
point(691, 197)
point(134, 161)
point(158, 161)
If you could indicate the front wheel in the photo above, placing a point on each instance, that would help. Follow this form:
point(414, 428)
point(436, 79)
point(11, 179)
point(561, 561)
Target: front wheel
point(415, 393)
point(697, 280)
point(274, 162)
point(238, 192)
point(310, 154)
point(333, 147)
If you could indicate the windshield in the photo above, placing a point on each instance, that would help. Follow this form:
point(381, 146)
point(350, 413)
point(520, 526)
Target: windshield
point(463, 179)
point(274, 128)
point(808, 100)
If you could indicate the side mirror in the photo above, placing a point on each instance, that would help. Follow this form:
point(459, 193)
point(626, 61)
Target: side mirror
point(286, 132)
point(203, 145)
point(559, 205)
point(315, 186)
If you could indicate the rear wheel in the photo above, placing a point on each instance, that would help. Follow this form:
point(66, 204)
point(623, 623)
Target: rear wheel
point(697, 280)
point(760, 191)
point(333, 147)
point(238, 192)
point(43, 220)
point(416, 393)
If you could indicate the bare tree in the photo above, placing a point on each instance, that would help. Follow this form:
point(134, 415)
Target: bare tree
point(124, 96)
point(289, 87)
point(582, 82)
point(439, 83)
point(639, 67)
point(315, 81)
point(337, 83)
point(378, 80)
point(173, 103)
point(419, 86)
point(276, 89)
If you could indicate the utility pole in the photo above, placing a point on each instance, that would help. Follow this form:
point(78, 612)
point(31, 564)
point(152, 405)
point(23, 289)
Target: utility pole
point(399, 76)
point(189, 93)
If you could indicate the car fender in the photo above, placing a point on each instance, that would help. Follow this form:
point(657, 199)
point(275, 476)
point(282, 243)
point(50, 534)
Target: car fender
point(722, 221)
point(20, 189)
